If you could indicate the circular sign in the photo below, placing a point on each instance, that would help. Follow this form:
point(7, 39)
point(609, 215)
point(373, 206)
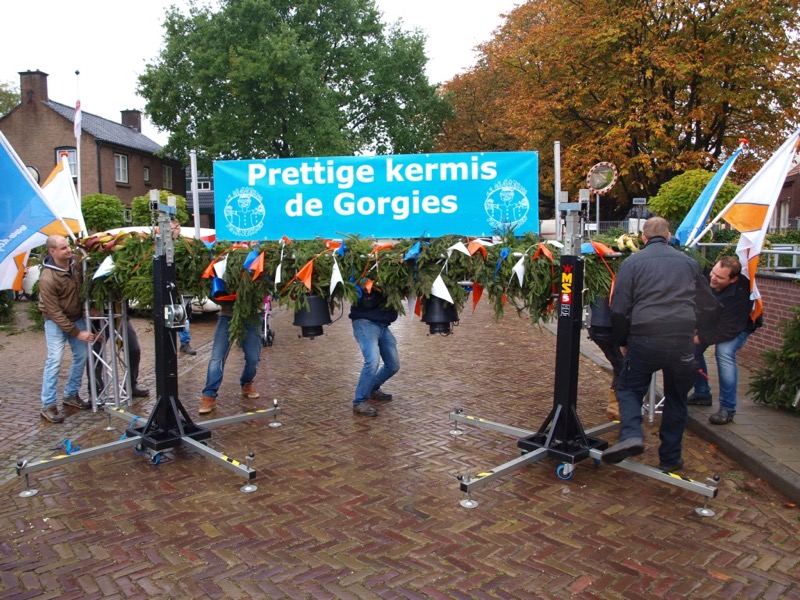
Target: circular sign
point(602, 177)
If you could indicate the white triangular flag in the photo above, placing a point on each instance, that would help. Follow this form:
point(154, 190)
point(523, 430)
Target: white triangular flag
point(439, 289)
point(519, 268)
point(105, 267)
point(220, 267)
point(336, 276)
point(277, 276)
point(457, 246)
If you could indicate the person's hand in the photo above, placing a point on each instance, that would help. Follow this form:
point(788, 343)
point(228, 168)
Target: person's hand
point(85, 336)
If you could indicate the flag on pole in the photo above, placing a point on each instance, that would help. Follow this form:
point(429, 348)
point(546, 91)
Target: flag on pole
point(78, 118)
point(24, 210)
point(750, 212)
point(697, 216)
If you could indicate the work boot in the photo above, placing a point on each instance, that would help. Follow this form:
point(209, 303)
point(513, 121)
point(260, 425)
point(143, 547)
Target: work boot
point(140, 392)
point(249, 391)
point(381, 396)
point(188, 349)
point(701, 400)
point(207, 404)
point(612, 410)
point(364, 409)
point(721, 417)
point(622, 450)
point(77, 402)
point(51, 413)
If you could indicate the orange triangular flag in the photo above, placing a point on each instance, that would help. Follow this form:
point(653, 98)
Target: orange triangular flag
point(305, 273)
point(475, 246)
point(257, 267)
point(380, 247)
point(418, 306)
point(368, 285)
point(477, 292)
point(600, 248)
point(332, 244)
point(209, 272)
point(19, 259)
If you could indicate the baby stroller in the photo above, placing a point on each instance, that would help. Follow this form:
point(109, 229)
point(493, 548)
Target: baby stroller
point(267, 334)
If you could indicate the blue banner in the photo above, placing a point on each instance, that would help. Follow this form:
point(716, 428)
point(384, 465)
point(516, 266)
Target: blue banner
point(23, 210)
point(402, 196)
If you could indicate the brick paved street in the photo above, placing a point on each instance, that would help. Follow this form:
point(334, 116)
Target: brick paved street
point(351, 507)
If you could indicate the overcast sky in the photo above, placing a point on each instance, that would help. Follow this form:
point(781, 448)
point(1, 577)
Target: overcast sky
point(110, 46)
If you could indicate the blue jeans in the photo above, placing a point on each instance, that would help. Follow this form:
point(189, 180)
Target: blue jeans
point(377, 342)
point(727, 371)
point(56, 339)
point(646, 355)
point(184, 335)
point(220, 350)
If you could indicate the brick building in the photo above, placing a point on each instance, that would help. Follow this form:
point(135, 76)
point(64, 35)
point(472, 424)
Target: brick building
point(116, 158)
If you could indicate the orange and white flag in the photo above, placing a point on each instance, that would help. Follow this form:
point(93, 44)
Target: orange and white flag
point(750, 212)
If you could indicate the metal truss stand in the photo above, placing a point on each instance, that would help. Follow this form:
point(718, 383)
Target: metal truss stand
point(561, 435)
point(169, 425)
point(109, 365)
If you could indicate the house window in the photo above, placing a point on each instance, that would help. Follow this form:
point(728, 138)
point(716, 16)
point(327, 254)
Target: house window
point(121, 168)
point(146, 174)
point(203, 186)
point(166, 173)
point(72, 159)
point(127, 216)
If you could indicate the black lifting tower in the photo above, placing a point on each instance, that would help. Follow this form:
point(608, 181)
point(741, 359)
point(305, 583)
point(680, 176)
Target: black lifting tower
point(561, 435)
point(169, 425)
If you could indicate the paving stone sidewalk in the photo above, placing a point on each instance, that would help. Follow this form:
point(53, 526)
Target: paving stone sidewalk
point(352, 507)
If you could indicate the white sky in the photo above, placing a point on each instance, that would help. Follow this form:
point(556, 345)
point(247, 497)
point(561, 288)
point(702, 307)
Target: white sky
point(110, 46)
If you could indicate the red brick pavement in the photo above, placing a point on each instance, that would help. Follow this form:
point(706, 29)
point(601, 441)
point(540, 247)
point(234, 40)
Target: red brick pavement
point(351, 507)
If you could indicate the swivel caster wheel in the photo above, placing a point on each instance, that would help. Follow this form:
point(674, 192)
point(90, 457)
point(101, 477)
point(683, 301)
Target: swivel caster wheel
point(564, 471)
point(155, 458)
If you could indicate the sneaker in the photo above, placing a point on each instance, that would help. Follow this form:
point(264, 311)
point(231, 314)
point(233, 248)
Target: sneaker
point(699, 400)
point(671, 467)
point(721, 417)
point(77, 402)
point(51, 414)
point(364, 409)
point(249, 391)
point(207, 404)
point(381, 396)
point(622, 450)
point(188, 349)
point(138, 392)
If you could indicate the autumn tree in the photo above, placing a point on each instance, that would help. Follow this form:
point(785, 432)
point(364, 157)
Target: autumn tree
point(284, 78)
point(658, 88)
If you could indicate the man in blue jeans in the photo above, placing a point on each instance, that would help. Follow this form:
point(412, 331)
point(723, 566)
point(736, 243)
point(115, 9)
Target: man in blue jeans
point(64, 323)
point(219, 354)
point(659, 296)
point(371, 320)
point(728, 331)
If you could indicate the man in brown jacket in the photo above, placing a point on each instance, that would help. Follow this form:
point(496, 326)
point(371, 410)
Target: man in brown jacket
point(60, 304)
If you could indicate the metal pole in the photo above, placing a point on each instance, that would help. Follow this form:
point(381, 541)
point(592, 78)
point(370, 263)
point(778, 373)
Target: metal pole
point(557, 185)
point(597, 208)
point(195, 199)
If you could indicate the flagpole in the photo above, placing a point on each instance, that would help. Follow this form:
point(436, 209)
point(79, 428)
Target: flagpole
point(735, 199)
point(77, 131)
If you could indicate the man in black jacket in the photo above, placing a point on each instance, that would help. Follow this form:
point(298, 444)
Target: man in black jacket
point(371, 320)
point(728, 330)
point(658, 297)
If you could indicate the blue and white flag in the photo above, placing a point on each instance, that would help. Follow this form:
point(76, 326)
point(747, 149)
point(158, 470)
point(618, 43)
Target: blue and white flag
point(24, 210)
point(698, 215)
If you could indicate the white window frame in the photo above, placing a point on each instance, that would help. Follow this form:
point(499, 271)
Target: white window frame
point(204, 186)
point(166, 173)
point(72, 159)
point(146, 174)
point(121, 168)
